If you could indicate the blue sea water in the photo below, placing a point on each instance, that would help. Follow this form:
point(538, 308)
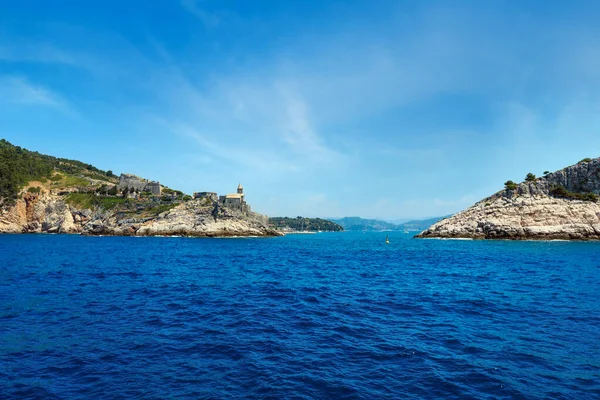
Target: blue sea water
point(331, 315)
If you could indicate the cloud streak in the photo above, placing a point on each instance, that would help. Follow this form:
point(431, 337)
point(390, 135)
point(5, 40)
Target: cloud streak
point(20, 91)
point(209, 19)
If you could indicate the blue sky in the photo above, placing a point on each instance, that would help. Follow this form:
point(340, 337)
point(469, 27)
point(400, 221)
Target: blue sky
point(387, 109)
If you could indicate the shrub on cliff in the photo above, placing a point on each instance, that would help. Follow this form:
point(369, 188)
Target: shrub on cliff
point(530, 177)
point(510, 185)
point(587, 159)
point(563, 193)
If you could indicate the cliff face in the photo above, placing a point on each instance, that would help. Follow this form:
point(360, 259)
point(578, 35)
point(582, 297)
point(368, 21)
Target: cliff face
point(191, 218)
point(42, 213)
point(49, 213)
point(550, 207)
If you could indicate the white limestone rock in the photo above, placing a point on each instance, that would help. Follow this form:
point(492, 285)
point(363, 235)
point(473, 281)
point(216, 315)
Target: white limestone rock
point(530, 211)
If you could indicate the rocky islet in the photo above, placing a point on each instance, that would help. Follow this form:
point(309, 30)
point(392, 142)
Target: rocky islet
point(561, 205)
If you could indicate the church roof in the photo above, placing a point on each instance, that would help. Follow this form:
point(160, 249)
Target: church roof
point(234, 196)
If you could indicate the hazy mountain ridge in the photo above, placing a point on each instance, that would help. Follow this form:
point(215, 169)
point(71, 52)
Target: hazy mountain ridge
point(362, 224)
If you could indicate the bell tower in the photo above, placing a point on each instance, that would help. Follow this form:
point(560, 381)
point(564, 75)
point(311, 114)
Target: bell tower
point(240, 189)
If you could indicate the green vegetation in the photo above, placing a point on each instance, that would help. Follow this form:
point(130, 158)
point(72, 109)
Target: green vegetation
point(35, 189)
point(562, 192)
point(19, 166)
point(546, 172)
point(587, 159)
point(530, 177)
point(67, 180)
point(178, 193)
point(510, 185)
point(305, 224)
point(84, 200)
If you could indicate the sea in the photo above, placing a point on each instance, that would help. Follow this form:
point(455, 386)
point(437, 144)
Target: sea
point(324, 316)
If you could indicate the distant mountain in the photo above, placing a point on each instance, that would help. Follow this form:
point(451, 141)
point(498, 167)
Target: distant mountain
point(361, 224)
point(421, 224)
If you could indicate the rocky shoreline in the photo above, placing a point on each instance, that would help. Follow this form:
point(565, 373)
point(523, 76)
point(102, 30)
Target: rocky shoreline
point(533, 210)
point(50, 213)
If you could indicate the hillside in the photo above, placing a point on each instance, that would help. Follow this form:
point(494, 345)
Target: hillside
point(41, 193)
point(559, 205)
point(300, 224)
point(19, 166)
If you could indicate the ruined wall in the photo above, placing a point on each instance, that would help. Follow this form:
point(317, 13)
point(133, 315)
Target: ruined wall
point(141, 184)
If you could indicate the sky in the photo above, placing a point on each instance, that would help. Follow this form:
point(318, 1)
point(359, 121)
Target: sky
point(379, 109)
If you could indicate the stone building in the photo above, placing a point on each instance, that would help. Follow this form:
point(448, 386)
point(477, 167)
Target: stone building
point(140, 184)
point(212, 196)
point(236, 201)
point(154, 187)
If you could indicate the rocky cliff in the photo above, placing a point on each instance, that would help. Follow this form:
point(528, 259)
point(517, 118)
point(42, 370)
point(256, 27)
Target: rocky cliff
point(560, 205)
point(48, 212)
point(42, 213)
point(192, 218)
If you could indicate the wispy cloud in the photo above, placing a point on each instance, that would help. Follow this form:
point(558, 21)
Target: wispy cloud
point(241, 157)
point(209, 19)
point(298, 130)
point(19, 90)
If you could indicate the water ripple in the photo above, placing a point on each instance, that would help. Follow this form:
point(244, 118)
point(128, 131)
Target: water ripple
point(308, 317)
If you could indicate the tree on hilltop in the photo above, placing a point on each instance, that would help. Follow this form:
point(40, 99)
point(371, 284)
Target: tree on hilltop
point(530, 177)
point(510, 185)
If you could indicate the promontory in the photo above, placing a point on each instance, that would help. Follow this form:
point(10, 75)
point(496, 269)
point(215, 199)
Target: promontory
point(559, 205)
point(45, 194)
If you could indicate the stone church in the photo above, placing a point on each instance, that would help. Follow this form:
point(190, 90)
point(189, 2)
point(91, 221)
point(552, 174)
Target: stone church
point(235, 200)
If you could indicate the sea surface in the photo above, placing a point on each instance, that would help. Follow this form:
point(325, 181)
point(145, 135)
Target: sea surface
point(325, 316)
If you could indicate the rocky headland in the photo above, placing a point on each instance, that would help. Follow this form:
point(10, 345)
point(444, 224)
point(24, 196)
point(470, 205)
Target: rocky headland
point(44, 194)
point(560, 205)
point(48, 212)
